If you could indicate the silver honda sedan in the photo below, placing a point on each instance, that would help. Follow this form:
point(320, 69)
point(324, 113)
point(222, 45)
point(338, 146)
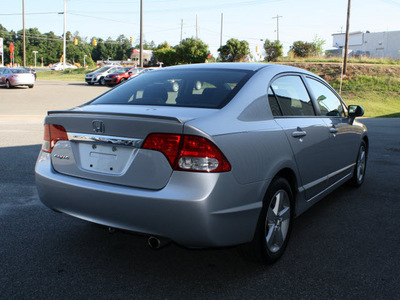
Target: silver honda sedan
point(229, 158)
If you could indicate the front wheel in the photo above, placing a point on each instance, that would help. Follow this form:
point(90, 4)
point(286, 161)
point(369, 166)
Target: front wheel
point(274, 224)
point(361, 166)
point(30, 86)
point(102, 81)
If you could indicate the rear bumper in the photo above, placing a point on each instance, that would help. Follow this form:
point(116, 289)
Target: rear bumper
point(17, 82)
point(194, 209)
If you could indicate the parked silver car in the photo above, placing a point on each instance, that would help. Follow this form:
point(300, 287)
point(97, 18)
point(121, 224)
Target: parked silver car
point(99, 75)
point(10, 77)
point(230, 163)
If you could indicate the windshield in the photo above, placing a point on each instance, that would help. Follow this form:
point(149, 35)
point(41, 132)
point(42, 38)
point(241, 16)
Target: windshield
point(103, 69)
point(209, 88)
point(123, 70)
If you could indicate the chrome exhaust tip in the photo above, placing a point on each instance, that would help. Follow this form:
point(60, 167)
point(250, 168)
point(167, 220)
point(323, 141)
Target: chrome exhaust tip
point(157, 243)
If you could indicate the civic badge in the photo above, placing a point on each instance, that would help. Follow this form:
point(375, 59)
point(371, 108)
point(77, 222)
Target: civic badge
point(98, 126)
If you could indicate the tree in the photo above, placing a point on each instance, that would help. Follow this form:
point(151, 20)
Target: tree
point(192, 50)
point(302, 49)
point(273, 50)
point(318, 43)
point(167, 56)
point(234, 50)
point(305, 49)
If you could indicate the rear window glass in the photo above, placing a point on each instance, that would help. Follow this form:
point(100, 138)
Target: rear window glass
point(212, 88)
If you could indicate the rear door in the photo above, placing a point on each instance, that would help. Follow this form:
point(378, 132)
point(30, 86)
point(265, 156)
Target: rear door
point(306, 132)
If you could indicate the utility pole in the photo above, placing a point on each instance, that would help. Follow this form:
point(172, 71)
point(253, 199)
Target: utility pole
point(346, 43)
point(222, 28)
point(181, 29)
point(197, 29)
point(277, 26)
point(141, 34)
point(23, 26)
point(65, 36)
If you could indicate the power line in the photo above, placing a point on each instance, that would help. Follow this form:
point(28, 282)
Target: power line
point(36, 13)
point(101, 18)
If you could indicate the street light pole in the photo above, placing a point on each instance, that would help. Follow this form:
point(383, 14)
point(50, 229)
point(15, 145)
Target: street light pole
point(35, 52)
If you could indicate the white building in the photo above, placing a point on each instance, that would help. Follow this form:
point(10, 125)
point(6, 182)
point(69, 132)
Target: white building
point(374, 44)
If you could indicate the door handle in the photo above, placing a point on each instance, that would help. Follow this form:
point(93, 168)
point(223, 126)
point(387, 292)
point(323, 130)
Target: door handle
point(299, 133)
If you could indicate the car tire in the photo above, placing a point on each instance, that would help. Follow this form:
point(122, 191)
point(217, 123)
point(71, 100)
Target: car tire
point(8, 85)
point(30, 86)
point(274, 225)
point(360, 167)
point(102, 81)
point(90, 83)
point(122, 80)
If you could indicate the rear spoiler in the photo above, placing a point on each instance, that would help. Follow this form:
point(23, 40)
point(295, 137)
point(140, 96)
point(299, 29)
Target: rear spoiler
point(76, 112)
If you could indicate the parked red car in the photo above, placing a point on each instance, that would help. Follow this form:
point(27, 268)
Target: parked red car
point(121, 75)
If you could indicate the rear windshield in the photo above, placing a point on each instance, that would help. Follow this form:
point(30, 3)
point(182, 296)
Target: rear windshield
point(208, 88)
point(15, 71)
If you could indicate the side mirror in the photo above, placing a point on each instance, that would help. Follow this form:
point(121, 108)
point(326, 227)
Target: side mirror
point(354, 112)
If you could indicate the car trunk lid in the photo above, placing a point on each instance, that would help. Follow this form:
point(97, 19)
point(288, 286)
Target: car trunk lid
point(106, 147)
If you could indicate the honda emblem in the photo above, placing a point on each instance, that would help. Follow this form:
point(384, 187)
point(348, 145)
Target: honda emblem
point(98, 126)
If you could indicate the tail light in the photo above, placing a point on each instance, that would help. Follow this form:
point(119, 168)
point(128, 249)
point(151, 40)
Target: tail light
point(188, 152)
point(52, 134)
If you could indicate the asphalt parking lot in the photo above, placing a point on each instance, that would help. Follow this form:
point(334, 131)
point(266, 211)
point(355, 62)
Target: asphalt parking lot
point(345, 247)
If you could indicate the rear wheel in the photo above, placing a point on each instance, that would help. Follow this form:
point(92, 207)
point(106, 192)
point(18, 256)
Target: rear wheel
point(274, 224)
point(361, 166)
point(8, 85)
point(30, 86)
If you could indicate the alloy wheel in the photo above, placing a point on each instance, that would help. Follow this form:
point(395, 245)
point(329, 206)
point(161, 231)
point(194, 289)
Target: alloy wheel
point(277, 221)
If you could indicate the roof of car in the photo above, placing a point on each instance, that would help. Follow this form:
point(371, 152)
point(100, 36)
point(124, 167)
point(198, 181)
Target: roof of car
point(239, 66)
point(236, 66)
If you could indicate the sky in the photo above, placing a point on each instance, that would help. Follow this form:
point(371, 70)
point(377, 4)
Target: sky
point(250, 20)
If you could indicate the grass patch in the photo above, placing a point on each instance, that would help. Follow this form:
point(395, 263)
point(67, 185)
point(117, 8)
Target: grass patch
point(375, 104)
point(67, 75)
point(364, 83)
point(359, 60)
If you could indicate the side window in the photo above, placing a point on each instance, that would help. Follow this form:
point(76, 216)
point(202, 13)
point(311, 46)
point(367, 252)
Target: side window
point(292, 96)
point(328, 102)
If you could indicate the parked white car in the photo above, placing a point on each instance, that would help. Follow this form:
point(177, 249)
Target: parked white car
point(59, 66)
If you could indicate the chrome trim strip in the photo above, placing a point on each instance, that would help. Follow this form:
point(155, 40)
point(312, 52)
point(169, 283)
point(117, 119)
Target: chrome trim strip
point(325, 178)
point(82, 137)
point(343, 178)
